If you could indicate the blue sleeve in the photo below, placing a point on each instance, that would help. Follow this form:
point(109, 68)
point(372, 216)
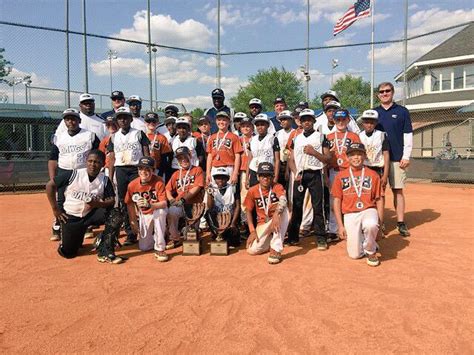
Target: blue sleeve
point(407, 127)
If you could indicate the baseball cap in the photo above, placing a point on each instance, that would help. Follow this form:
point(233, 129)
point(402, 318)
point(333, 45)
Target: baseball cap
point(203, 119)
point(151, 117)
point(255, 101)
point(355, 147)
point(110, 120)
point(182, 151)
point(147, 162)
point(71, 112)
point(330, 93)
point(307, 112)
point(279, 100)
point(123, 111)
point(172, 108)
point(117, 95)
point(86, 97)
point(181, 121)
point(217, 93)
point(134, 98)
point(239, 116)
point(285, 114)
point(303, 104)
point(265, 168)
point(246, 119)
point(220, 171)
point(369, 115)
point(332, 104)
point(341, 114)
point(222, 114)
point(262, 117)
point(170, 119)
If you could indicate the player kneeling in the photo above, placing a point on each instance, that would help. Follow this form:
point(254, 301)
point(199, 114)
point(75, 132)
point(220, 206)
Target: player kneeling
point(356, 192)
point(89, 201)
point(146, 194)
point(269, 200)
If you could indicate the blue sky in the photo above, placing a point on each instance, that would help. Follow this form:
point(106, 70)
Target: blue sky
point(246, 25)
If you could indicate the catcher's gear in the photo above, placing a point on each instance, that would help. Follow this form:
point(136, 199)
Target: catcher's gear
point(106, 241)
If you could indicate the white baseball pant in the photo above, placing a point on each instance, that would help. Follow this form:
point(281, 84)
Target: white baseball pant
point(152, 230)
point(174, 214)
point(362, 228)
point(268, 239)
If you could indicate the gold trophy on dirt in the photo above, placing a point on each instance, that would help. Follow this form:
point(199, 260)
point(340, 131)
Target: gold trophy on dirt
point(219, 246)
point(192, 237)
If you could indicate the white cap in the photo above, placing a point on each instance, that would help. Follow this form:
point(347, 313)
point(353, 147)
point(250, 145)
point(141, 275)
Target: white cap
point(134, 98)
point(86, 97)
point(220, 171)
point(307, 112)
point(255, 101)
point(240, 115)
point(369, 114)
point(261, 117)
point(71, 112)
point(182, 120)
point(123, 111)
point(333, 103)
point(285, 113)
point(330, 93)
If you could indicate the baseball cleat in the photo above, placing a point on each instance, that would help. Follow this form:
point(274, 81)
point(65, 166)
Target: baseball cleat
point(130, 240)
point(111, 259)
point(55, 233)
point(161, 256)
point(89, 234)
point(274, 257)
point(403, 229)
point(173, 244)
point(332, 237)
point(372, 260)
point(322, 245)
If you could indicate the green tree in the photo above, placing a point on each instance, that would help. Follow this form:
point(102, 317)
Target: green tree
point(4, 66)
point(267, 85)
point(353, 92)
point(197, 113)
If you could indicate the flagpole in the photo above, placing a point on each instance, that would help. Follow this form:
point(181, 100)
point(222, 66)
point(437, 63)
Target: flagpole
point(372, 10)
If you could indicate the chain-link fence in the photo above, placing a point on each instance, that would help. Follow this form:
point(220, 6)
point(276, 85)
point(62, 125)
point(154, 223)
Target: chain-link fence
point(53, 62)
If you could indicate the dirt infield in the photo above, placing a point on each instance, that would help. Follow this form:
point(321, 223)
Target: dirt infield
point(420, 299)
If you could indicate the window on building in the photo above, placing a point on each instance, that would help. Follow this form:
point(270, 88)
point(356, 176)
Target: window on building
point(458, 77)
point(435, 80)
point(446, 79)
point(469, 69)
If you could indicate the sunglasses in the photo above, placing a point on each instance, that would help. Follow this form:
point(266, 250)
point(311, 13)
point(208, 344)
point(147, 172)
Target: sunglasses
point(385, 91)
point(117, 99)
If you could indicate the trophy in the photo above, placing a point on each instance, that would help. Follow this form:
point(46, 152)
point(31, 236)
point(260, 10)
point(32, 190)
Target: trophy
point(192, 237)
point(219, 246)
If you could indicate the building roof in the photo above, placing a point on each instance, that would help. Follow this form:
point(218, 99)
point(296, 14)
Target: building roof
point(442, 100)
point(460, 44)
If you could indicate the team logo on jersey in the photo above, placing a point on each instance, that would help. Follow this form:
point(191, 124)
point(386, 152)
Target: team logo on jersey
point(273, 199)
point(180, 183)
point(82, 196)
point(118, 148)
point(346, 145)
point(156, 146)
point(73, 148)
point(227, 143)
point(150, 196)
point(366, 185)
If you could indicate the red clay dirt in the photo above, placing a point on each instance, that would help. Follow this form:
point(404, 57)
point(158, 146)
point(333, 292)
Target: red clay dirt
point(420, 299)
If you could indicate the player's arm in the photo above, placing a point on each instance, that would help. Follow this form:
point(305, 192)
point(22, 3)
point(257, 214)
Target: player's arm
point(236, 215)
point(200, 153)
point(208, 168)
point(191, 193)
point(253, 233)
point(53, 162)
point(386, 162)
point(52, 189)
point(235, 174)
point(210, 201)
point(338, 215)
point(161, 196)
point(247, 171)
point(325, 157)
point(108, 200)
point(276, 158)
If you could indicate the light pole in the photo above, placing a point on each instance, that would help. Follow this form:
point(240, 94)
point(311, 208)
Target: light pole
point(111, 55)
point(334, 65)
point(154, 49)
point(27, 82)
point(15, 81)
point(306, 78)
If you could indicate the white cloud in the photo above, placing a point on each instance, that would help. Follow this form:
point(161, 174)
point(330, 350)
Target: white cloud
point(164, 30)
point(419, 23)
point(192, 102)
point(232, 15)
point(121, 66)
point(36, 80)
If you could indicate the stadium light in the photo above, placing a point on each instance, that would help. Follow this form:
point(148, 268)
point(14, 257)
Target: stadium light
point(111, 54)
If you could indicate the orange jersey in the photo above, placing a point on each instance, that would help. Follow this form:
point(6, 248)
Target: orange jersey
point(179, 186)
point(254, 199)
point(244, 161)
point(103, 148)
point(201, 137)
point(339, 160)
point(158, 146)
point(292, 137)
point(153, 191)
point(343, 189)
point(222, 153)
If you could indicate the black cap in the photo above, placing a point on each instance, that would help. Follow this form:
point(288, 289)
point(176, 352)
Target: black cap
point(279, 100)
point(303, 104)
point(204, 119)
point(355, 147)
point(151, 117)
point(265, 168)
point(117, 95)
point(110, 119)
point(172, 108)
point(217, 93)
point(182, 151)
point(147, 162)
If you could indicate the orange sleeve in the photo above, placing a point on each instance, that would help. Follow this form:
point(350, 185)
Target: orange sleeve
point(336, 189)
point(249, 200)
point(171, 185)
point(199, 177)
point(237, 145)
point(160, 190)
point(165, 146)
point(209, 143)
point(103, 144)
point(279, 190)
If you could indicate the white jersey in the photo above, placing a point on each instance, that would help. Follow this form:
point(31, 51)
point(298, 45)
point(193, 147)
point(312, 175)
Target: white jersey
point(322, 121)
point(80, 189)
point(127, 147)
point(283, 136)
point(373, 148)
point(162, 129)
point(305, 161)
point(94, 124)
point(262, 150)
point(168, 137)
point(190, 142)
point(73, 150)
point(139, 123)
point(225, 202)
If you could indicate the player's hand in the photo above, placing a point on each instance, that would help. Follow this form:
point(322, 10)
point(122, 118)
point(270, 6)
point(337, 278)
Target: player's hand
point(180, 202)
point(60, 215)
point(95, 203)
point(298, 178)
point(233, 179)
point(208, 179)
point(276, 222)
point(341, 231)
point(309, 149)
point(383, 182)
point(404, 163)
point(143, 203)
point(252, 237)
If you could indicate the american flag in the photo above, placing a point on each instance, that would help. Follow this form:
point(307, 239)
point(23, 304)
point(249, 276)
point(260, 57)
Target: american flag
point(360, 9)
